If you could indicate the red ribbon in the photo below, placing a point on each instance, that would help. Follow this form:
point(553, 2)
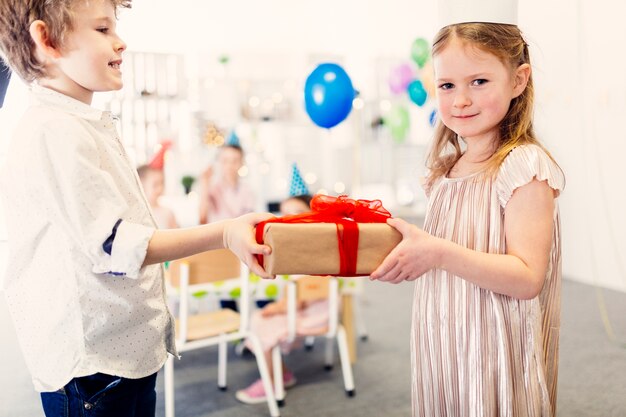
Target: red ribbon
point(345, 213)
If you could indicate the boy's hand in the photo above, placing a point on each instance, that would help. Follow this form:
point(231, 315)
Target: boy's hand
point(239, 237)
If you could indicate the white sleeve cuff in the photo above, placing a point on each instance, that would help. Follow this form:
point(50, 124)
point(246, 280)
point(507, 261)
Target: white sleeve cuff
point(129, 250)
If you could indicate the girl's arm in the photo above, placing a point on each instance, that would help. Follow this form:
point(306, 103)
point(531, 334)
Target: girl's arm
point(236, 235)
point(528, 225)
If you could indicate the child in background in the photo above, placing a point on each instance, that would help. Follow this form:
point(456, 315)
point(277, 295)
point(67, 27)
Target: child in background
point(84, 284)
point(487, 266)
point(153, 184)
point(270, 323)
point(225, 197)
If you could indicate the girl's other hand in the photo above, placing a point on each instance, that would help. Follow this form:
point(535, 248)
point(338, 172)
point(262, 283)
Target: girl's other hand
point(239, 237)
point(413, 256)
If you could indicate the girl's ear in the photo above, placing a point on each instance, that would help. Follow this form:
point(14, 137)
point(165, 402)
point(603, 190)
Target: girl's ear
point(40, 35)
point(520, 78)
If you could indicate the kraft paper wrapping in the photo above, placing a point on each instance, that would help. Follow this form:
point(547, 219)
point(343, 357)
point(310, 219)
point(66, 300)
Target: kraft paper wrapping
point(312, 248)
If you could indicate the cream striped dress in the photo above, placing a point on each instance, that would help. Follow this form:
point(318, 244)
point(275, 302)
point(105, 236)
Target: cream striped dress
point(476, 353)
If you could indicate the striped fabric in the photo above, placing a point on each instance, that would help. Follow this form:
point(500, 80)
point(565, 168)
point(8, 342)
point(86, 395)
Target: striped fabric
point(476, 353)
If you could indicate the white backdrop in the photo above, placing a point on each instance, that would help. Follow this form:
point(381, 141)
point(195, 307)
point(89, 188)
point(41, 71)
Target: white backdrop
point(578, 64)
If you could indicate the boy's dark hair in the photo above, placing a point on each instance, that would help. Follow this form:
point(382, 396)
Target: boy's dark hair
point(305, 198)
point(16, 45)
point(235, 147)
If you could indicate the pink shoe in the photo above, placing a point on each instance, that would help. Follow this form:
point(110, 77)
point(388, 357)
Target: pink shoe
point(288, 379)
point(254, 394)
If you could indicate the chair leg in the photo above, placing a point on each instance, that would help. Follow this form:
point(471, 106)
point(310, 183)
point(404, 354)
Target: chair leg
point(265, 375)
point(361, 328)
point(240, 347)
point(169, 387)
point(329, 354)
point(279, 388)
point(309, 342)
point(344, 356)
point(222, 359)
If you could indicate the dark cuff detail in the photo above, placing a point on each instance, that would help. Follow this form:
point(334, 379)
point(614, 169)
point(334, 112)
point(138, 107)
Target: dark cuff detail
point(107, 246)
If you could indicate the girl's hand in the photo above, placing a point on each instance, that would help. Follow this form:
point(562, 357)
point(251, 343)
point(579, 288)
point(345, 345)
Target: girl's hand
point(239, 237)
point(413, 256)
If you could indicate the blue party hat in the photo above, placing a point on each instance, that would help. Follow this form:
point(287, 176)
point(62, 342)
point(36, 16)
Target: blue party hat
point(233, 139)
point(298, 186)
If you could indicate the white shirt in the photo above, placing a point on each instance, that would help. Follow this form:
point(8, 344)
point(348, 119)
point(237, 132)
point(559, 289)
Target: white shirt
point(78, 310)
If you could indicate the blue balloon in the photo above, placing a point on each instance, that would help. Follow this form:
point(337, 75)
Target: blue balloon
point(328, 95)
point(432, 119)
point(417, 92)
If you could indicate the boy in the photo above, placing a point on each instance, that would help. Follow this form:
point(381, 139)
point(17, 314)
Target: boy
point(84, 286)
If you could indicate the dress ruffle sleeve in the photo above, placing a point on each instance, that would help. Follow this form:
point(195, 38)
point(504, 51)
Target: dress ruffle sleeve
point(521, 166)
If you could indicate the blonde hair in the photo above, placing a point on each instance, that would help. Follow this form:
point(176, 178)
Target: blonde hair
point(16, 44)
point(508, 45)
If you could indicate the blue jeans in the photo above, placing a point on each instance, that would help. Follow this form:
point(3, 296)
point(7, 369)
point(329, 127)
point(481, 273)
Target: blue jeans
point(102, 395)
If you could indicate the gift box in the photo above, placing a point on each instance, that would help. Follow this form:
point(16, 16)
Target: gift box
point(314, 248)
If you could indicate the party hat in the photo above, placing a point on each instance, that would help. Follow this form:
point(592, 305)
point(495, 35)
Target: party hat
point(158, 160)
point(298, 186)
point(233, 139)
point(452, 12)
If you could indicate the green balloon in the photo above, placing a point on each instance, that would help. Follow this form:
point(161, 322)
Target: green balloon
point(398, 122)
point(420, 51)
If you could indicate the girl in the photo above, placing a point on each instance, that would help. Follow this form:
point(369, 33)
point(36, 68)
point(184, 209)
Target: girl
point(487, 265)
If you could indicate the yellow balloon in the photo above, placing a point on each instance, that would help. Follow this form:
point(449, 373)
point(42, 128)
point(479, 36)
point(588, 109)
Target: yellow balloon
point(427, 74)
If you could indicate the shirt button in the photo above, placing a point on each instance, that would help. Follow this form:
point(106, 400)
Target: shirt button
point(88, 406)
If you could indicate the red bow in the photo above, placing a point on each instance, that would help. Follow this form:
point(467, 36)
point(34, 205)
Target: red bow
point(345, 213)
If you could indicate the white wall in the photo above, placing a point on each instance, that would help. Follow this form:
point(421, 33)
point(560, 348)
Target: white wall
point(581, 101)
point(578, 63)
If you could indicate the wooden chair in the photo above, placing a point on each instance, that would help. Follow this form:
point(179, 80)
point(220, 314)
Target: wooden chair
point(215, 327)
point(311, 288)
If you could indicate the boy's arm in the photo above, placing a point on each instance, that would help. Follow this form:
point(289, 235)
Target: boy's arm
point(235, 234)
point(83, 199)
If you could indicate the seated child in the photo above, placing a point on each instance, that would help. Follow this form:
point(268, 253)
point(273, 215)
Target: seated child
point(153, 182)
point(270, 323)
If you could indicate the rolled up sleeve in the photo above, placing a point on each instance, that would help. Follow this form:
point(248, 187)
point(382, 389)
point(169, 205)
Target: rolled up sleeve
point(129, 249)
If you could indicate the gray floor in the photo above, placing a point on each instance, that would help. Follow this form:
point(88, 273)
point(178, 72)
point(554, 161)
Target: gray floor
point(592, 369)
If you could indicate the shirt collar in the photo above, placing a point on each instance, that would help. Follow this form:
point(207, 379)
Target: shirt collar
point(52, 98)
